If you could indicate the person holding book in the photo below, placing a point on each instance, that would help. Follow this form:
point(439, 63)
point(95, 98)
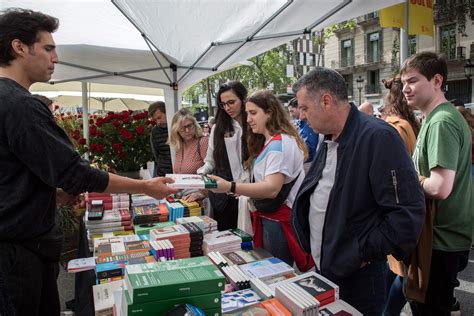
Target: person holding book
point(36, 158)
point(276, 156)
point(191, 147)
point(227, 150)
point(361, 199)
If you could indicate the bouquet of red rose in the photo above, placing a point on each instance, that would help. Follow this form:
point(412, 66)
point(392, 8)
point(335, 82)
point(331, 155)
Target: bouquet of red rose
point(118, 140)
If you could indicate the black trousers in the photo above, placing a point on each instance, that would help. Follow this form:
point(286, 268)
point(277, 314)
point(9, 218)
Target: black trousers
point(443, 279)
point(27, 282)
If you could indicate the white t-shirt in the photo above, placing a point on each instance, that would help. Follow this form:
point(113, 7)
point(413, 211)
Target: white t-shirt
point(319, 201)
point(281, 155)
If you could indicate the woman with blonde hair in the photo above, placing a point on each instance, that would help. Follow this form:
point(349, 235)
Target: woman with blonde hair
point(191, 146)
point(276, 156)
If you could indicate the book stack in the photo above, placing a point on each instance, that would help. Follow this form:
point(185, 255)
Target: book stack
point(104, 297)
point(143, 199)
point(192, 219)
point(162, 250)
point(236, 277)
point(224, 241)
point(266, 268)
point(339, 307)
point(246, 256)
point(271, 307)
point(191, 208)
point(110, 201)
point(153, 289)
point(210, 224)
point(92, 237)
point(144, 229)
point(196, 235)
point(175, 209)
point(316, 285)
point(113, 220)
point(179, 237)
point(238, 299)
point(150, 213)
point(296, 300)
point(247, 239)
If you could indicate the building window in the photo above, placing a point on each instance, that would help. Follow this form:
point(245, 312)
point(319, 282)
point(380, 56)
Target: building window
point(374, 47)
point(412, 44)
point(347, 53)
point(373, 82)
point(448, 41)
point(349, 84)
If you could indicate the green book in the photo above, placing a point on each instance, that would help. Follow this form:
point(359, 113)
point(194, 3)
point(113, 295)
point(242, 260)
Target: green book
point(172, 279)
point(191, 181)
point(210, 301)
point(243, 235)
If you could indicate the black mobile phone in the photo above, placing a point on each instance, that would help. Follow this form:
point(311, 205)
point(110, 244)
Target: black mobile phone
point(96, 211)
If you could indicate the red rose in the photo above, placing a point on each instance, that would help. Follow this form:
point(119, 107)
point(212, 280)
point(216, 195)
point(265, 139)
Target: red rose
point(126, 134)
point(100, 133)
point(92, 147)
point(76, 134)
point(117, 147)
point(91, 121)
point(116, 123)
point(100, 148)
point(82, 141)
point(125, 114)
point(99, 122)
point(126, 120)
point(122, 155)
point(140, 129)
point(92, 130)
point(106, 120)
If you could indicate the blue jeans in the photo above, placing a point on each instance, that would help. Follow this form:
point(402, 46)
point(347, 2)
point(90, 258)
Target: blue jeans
point(394, 295)
point(274, 241)
point(365, 288)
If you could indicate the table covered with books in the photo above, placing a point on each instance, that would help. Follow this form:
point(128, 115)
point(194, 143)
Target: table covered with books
point(143, 256)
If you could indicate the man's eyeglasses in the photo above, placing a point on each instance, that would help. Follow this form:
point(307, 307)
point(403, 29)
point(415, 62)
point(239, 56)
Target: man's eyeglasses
point(229, 103)
point(189, 127)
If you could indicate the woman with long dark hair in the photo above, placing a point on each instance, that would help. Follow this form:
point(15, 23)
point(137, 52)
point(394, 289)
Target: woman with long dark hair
point(227, 150)
point(276, 156)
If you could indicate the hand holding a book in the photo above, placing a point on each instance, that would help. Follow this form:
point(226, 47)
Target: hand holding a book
point(223, 186)
point(158, 188)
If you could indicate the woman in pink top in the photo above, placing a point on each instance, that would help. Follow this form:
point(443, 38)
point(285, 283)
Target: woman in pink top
point(187, 138)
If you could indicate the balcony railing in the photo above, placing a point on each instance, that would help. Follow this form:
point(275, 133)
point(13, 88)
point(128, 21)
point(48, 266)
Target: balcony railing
point(372, 89)
point(368, 17)
point(373, 58)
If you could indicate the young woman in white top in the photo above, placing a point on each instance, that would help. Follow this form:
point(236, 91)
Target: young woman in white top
point(227, 150)
point(276, 156)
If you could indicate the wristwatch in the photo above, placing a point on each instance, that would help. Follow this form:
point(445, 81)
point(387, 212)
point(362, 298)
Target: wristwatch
point(232, 188)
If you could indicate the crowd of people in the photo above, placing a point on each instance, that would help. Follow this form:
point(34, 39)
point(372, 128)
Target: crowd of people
point(383, 206)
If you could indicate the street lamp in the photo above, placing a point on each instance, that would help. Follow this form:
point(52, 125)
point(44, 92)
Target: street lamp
point(360, 85)
point(468, 72)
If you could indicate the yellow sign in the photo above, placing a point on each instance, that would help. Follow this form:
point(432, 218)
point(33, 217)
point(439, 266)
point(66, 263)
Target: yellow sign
point(420, 17)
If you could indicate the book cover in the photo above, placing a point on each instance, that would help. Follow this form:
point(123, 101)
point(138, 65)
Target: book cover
point(185, 281)
point(104, 297)
point(316, 285)
point(266, 268)
point(160, 306)
point(190, 181)
point(339, 308)
point(275, 308)
point(238, 299)
point(81, 264)
point(246, 256)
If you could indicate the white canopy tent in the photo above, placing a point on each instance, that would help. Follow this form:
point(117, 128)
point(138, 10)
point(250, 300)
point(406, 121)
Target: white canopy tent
point(172, 44)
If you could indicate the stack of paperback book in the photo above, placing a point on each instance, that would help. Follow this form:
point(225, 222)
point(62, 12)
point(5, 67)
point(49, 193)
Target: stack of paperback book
point(150, 213)
point(162, 250)
point(143, 199)
point(224, 241)
point(247, 239)
point(191, 208)
point(297, 301)
point(316, 285)
point(196, 235)
point(110, 201)
point(153, 289)
point(239, 257)
point(192, 219)
point(210, 224)
point(175, 209)
point(266, 268)
point(111, 271)
point(144, 229)
point(112, 220)
point(179, 237)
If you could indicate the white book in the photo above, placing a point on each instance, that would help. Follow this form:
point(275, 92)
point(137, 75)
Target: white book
point(81, 264)
point(337, 307)
point(191, 181)
point(266, 268)
point(104, 297)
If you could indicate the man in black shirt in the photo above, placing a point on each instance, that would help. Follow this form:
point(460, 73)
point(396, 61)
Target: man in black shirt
point(159, 139)
point(36, 157)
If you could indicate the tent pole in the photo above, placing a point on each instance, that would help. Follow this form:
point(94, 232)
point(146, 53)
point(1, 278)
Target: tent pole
point(404, 36)
point(85, 115)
